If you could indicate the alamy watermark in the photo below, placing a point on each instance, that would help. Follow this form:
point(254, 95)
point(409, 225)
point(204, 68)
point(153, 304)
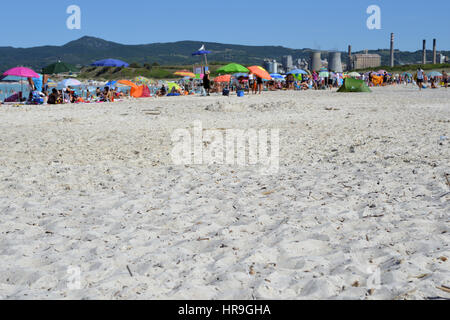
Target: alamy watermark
point(74, 20)
point(227, 146)
point(374, 20)
point(371, 271)
point(74, 278)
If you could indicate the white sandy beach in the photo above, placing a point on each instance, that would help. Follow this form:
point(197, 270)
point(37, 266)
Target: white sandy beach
point(360, 191)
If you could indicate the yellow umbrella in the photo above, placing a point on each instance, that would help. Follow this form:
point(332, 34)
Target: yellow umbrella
point(170, 85)
point(184, 73)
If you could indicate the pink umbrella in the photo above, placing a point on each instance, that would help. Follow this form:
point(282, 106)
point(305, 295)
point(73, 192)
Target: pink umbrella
point(21, 72)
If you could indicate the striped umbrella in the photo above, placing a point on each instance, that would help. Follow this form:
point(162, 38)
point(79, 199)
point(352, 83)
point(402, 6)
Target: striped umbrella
point(260, 72)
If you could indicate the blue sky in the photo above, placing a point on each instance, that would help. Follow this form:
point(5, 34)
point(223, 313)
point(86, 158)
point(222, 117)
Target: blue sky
point(317, 24)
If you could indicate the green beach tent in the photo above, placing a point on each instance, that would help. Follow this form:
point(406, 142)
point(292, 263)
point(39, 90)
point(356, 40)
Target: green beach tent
point(354, 85)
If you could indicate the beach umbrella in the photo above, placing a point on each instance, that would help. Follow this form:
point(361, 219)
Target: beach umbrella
point(260, 72)
point(276, 76)
point(433, 74)
point(59, 67)
point(224, 78)
point(21, 72)
point(324, 74)
point(110, 63)
point(354, 74)
point(202, 52)
point(142, 80)
point(111, 84)
point(409, 75)
point(185, 73)
point(232, 68)
point(297, 71)
point(69, 83)
point(381, 71)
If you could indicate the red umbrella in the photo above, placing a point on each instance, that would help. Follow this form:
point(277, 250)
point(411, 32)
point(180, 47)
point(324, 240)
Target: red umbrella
point(224, 78)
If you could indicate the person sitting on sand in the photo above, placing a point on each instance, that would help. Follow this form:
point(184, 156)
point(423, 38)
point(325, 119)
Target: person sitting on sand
point(53, 97)
point(108, 95)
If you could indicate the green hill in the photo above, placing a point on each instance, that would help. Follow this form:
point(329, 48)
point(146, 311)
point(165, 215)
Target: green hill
point(86, 50)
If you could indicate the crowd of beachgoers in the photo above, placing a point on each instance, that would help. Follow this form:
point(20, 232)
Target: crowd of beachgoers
point(240, 83)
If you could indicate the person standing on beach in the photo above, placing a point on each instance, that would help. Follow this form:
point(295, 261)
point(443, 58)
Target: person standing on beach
point(206, 82)
point(259, 83)
point(445, 78)
point(420, 78)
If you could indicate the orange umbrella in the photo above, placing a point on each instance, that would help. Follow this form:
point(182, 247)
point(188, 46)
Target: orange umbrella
point(185, 73)
point(127, 83)
point(260, 72)
point(224, 78)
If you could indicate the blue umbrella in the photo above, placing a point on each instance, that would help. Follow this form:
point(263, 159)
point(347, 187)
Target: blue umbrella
point(201, 52)
point(435, 74)
point(110, 84)
point(110, 63)
point(297, 71)
point(242, 74)
point(276, 76)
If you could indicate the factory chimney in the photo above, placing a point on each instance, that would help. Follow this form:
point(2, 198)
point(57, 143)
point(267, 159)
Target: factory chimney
point(424, 52)
point(349, 58)
point(434, 51)
point(392, 49)
point(316, 61)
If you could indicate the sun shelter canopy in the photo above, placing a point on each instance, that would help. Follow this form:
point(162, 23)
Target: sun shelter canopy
point(127, 83)
point(354, 85)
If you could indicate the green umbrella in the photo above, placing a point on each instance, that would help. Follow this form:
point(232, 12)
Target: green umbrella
point(59, 67)
point(232, 68)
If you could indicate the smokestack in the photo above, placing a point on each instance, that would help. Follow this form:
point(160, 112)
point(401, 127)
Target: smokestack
point(316, 61)
point(334, 62)
point(424, 52)
point(392, 49)
point(349, 62)
point(434, 51)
